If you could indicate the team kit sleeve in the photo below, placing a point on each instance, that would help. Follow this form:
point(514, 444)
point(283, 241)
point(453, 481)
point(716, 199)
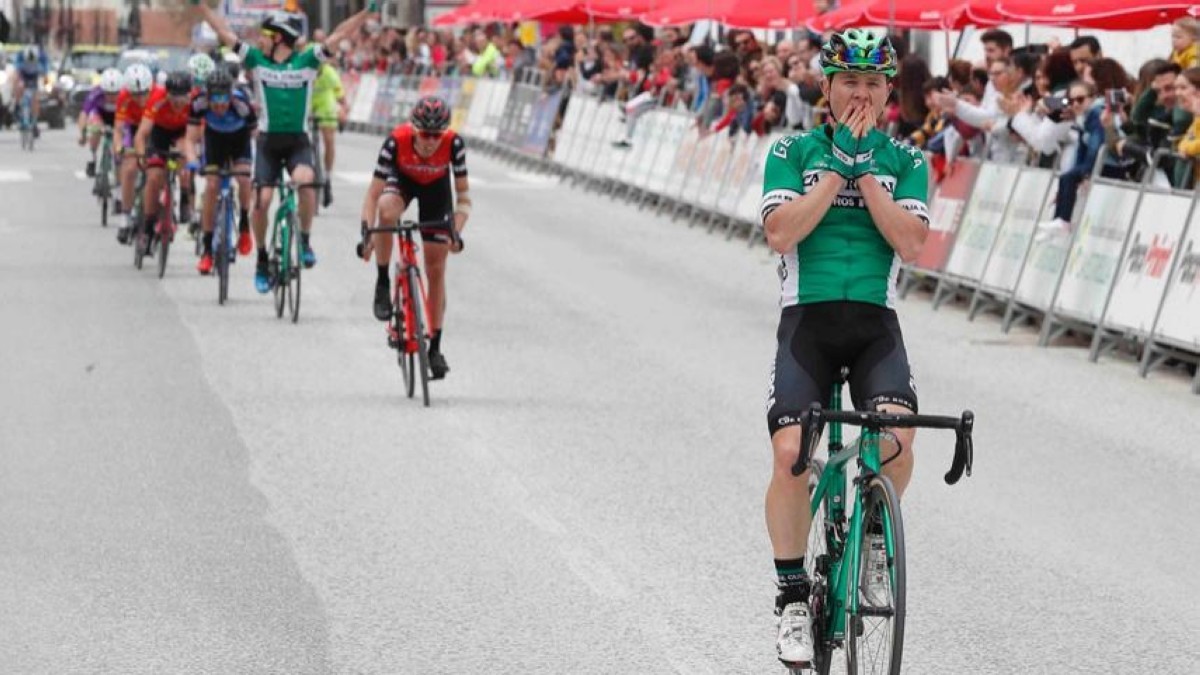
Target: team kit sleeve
point(912, 185)
point(196, 110)
point(782, 180)
point(458, 156)
point(385, 166)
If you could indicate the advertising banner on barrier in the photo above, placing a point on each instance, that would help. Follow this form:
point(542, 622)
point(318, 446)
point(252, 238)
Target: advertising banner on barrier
point(677, 174)
point(1020, 220)
point(1142, 277)
point(750, 203)
point(744, 156)
point(1096, 252)
point(364, 99)
point(462, 105)
point(568, 134)
point(985, 212)
point(1180, 320)
point(477, 112)
point(385, 98)
point(541, 123)
point(497, 104)
point(946, 213)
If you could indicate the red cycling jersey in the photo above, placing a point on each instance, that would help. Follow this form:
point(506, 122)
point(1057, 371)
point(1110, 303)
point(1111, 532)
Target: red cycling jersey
point(399, 156)
point(129, 111)
point(160, 111)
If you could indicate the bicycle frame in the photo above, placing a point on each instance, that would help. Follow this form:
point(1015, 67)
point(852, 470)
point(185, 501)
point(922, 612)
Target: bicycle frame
point(843, 539)
point(287, 206)
point(408, 261)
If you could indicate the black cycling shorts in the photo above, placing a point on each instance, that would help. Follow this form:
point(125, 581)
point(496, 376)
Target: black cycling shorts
point(162, 141)
point(225, 150)
point(276, 151)
point(434, 201)
point(816, 341)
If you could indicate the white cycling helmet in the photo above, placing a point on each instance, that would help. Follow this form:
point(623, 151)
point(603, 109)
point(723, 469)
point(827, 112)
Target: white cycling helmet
point(111, 81)
point(201, 66)
point(138, 79)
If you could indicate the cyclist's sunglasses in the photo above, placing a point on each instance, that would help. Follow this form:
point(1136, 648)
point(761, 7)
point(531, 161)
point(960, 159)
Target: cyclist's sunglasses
point(268, 33)
point(430, 135)
point(218, 98)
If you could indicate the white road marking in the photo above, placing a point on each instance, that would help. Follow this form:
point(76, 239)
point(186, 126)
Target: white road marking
point(15, 176)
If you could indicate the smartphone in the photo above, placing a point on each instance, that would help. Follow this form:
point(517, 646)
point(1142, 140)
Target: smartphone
point(1117, 98)
point(1056, 103)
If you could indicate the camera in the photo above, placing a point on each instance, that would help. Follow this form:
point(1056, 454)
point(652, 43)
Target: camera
point(1055, 107)
point(1117, 98)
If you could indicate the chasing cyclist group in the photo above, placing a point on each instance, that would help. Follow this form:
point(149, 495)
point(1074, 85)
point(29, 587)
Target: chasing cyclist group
point(205, 119)
point(843, 205)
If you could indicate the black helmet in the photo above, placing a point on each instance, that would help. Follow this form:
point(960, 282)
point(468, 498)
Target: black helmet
point(219, 82)
point(283, 25)
point(179, 83)
point(430, 114)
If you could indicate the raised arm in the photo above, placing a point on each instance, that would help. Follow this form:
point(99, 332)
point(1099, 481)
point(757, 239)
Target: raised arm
point(221, 27)
point(345, 30)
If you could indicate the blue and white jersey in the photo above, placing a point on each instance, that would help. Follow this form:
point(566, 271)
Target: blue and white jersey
point(237, 118)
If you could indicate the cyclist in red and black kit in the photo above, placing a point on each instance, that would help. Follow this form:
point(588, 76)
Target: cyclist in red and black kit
point(163, 126)
point(416, 162)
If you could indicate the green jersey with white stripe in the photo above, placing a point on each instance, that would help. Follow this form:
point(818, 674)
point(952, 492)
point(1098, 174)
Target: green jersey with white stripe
point(284, 89)
point(845, 258)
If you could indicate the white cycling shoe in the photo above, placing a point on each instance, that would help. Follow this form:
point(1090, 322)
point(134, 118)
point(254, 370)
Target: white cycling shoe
point(795, 641)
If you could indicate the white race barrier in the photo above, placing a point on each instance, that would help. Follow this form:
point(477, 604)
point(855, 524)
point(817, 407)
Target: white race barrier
point(977, 234)
point(1025, 208)
point(1096, 247)
point(737, 179)
point(364, 99)
point(675, 130)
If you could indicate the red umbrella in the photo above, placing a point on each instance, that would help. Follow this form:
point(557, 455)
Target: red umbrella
point(618, 9)
point(932, 14)
point(737, 13)
point(1098, 14)
point(848, 15)
point(679, 12)
point(475, 12)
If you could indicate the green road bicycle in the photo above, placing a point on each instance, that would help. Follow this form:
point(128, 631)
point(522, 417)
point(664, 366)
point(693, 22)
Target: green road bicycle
point(869, 629)
point(284, 264)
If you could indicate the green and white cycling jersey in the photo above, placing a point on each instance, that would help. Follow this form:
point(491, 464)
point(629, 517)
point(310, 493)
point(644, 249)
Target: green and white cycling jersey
point(845, 258)
point(284, 89)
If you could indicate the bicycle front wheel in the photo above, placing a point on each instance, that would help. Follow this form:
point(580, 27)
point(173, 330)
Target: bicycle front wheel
point(278, 266)
point(222, 247)
point(404, 357)
point(875, 631)
point(164, 239)
point(294, 267)
point(418, 319)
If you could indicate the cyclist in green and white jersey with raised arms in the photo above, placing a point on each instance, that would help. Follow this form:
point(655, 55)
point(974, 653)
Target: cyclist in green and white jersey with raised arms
point(843, 205)
point(283, 80)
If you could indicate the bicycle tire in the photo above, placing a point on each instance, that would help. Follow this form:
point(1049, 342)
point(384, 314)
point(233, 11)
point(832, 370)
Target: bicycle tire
point(817, 562)
point(221, 247)
point(278, 267)
point(296, 266)
point(103, 192)
point(879, 497)
point(418, 318)
point(139, 255)
point(164, 242)
point(405, 358)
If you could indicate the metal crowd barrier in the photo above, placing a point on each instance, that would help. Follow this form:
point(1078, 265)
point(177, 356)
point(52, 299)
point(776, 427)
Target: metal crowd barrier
point(1128, 272)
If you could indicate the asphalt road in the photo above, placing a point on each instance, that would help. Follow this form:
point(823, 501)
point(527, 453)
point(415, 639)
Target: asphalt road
point(188, 488)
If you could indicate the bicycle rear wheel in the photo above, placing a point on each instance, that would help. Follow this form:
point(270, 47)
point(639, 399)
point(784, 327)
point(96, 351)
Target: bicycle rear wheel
point(103, 193)
point(293, 277)
point(875, 633)
point(418, 319)
point(139, 230)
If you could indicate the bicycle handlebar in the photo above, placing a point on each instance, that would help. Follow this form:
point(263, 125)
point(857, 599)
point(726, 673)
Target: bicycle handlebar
point(443, 225)
point(964, 448)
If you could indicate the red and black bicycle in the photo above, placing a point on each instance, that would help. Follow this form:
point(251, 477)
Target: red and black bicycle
point(408, 329)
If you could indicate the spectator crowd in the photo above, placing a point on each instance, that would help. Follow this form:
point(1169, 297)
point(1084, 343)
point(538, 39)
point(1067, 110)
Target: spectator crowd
point(1051, 105)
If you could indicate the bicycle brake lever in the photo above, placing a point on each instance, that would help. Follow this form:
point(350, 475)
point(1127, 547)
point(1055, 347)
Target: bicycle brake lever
point(810, 433)
point(964, 449)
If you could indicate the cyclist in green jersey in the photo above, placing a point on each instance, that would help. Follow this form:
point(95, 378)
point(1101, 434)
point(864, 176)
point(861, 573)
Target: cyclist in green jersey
point(283, 78)
point(329, 110)
point(843, 205)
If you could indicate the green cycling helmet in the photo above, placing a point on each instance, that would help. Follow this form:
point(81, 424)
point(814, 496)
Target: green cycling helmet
point(859, 51)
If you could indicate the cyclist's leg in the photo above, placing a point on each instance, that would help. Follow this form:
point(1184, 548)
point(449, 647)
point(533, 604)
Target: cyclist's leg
point(392, 204)
point(267, 171)
point(328, 135)
point(184, 176)
point(242, 162)
point(300, 168)
point(436, 203)
point(881, 379)
point(95, 127)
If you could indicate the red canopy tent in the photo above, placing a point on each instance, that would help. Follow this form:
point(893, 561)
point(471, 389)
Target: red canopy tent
point(1097, 14)
point(736, 13)
point(481, 11)
point(848, 15)
point(926, 15)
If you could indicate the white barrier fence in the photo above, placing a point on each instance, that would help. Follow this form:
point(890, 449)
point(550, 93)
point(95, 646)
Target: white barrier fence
point(1128, 273)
